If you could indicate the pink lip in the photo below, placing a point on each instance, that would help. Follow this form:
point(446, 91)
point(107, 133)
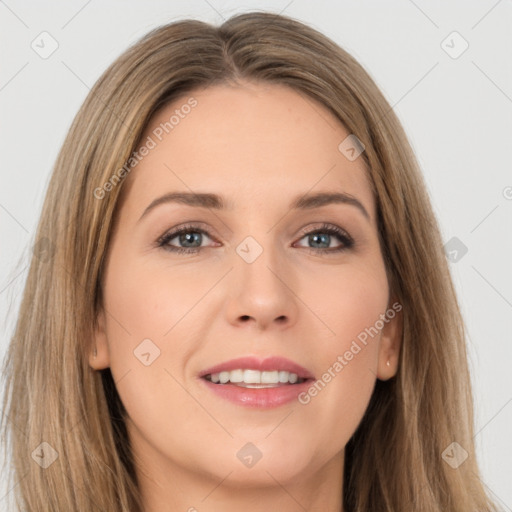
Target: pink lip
point(253, 363)
point(263, 398)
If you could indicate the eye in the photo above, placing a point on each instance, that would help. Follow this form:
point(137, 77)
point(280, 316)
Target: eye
point(322, 236)
point(191, 237)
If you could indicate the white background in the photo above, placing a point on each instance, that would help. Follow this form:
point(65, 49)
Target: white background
point(456, 111)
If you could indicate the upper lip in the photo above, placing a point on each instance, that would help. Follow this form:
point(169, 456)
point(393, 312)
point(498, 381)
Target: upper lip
point(254, 363)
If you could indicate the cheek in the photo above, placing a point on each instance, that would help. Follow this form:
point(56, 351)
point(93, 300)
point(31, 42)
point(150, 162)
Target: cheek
point(148, 303)
point(346, 349)
point(148, 315)
point(347, 306)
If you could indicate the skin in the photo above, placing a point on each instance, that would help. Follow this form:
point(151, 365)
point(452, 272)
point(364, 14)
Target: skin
point(260, 146)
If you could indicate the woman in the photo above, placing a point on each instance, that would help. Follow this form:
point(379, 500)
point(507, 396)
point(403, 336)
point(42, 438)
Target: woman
point(191, 339)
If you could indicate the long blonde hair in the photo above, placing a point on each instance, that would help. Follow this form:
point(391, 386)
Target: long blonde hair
point(394, 461)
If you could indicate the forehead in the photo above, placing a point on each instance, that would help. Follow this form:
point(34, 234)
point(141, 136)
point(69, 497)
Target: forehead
point(259, 142)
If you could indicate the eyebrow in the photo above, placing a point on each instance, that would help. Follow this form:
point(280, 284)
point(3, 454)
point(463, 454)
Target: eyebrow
point(214, 201)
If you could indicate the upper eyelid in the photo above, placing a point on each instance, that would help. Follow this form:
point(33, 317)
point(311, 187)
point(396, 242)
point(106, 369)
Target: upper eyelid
point(324, 225)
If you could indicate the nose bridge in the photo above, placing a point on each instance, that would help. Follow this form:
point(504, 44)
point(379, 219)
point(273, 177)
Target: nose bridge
point(260, 245)
point(257, 262)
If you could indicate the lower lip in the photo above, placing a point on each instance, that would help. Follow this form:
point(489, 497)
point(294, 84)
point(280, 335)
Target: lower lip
point(263, 398)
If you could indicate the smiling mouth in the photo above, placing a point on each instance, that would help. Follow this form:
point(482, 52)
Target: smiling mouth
point(246, 378)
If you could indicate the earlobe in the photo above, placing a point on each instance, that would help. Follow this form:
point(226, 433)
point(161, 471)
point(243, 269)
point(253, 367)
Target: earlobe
point(98, 353)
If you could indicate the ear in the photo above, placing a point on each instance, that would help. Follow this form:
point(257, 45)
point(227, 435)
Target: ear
point(390, 341)
point(99, 357)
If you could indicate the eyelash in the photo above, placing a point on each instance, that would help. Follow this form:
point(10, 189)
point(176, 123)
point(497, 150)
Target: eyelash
point(330, 229)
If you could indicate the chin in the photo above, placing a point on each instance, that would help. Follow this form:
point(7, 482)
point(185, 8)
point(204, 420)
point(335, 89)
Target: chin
point(260, 463)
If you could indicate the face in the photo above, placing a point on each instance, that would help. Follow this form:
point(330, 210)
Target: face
point(189, 285)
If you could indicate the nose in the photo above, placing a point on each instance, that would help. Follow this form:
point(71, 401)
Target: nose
point(262, 292)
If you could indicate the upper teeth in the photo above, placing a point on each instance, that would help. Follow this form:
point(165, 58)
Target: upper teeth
point(254, 377)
